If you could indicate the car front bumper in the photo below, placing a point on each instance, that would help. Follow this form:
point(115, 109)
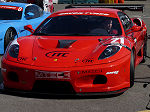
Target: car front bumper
point(107, 78)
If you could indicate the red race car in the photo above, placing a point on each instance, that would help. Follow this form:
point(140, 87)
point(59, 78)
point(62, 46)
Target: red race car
point(78, 51)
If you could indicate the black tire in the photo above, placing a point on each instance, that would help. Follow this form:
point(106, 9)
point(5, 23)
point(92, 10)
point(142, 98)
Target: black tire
point(132, 68)
point(9, 36)
point(144, 52)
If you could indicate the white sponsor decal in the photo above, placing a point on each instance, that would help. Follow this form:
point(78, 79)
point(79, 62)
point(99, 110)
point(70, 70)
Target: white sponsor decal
point(71, 13)
point(114, 72)
point(20, 9)
point(7, 7)
point(118, 40)
point(83, 13)
point(115, 40)
point(11, 7)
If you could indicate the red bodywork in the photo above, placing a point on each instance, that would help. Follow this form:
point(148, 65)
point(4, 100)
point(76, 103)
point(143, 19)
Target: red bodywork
point(74, 69)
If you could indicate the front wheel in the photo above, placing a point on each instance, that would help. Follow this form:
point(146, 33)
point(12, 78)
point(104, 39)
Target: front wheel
point(9, 36)
point(132, 68)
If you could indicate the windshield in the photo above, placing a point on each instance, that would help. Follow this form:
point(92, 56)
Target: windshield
point(9, 14)
point(79, 25)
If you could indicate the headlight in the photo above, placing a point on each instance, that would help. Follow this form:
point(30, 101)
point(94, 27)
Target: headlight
point(109, 51)
point(13, 49)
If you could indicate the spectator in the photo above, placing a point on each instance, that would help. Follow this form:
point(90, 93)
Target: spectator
point(48, 5)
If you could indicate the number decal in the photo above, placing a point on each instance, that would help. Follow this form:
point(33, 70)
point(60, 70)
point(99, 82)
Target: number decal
point(20, 9)
point(115, 40)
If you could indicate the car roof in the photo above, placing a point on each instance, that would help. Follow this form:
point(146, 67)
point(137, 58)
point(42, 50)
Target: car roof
point(14, 4)
point(106, 11)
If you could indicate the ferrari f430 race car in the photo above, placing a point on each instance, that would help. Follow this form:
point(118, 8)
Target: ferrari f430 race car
point(77, 51)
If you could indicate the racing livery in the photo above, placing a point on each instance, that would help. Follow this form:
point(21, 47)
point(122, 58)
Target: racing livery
point(77, 51)
point(14, 16)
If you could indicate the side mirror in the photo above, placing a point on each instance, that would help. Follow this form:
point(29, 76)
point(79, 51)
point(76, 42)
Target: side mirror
point(137, 21)
point(29, 28)
point(134, 29)
point(29, 15)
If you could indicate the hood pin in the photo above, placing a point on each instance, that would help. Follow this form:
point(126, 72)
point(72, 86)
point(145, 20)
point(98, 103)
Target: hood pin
point(76, 60)
point(35, 58)
point(55, 59)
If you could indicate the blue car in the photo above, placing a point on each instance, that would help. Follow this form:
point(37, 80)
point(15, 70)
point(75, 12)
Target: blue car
point(14, 16)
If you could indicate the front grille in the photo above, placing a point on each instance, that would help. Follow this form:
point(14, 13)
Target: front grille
point(54, 87)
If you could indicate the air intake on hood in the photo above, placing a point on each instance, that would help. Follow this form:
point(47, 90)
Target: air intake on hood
point(65, 43)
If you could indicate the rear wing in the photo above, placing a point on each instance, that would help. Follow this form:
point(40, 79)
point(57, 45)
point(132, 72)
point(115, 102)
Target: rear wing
point(130, 7)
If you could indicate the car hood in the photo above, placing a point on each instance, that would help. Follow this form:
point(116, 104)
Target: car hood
point(7, 21)
point(64, 52)
point(59, 52)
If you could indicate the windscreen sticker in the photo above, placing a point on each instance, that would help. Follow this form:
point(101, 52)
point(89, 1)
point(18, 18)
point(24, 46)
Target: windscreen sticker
point(11, 7)
point(84, 13)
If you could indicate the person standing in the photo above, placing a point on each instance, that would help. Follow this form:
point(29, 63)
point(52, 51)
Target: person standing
point(46, 5)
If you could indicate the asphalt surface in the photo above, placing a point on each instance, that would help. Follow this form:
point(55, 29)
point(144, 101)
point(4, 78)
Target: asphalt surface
point(133, 100)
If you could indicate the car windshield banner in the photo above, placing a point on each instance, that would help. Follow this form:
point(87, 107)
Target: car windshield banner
point(11, 7)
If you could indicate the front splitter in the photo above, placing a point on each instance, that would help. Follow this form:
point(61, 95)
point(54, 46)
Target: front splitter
point(16, 91)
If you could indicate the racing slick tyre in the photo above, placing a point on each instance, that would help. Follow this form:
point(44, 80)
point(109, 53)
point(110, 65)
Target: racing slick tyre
point(132, 68)
point(9, 36)
point(144, 52)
